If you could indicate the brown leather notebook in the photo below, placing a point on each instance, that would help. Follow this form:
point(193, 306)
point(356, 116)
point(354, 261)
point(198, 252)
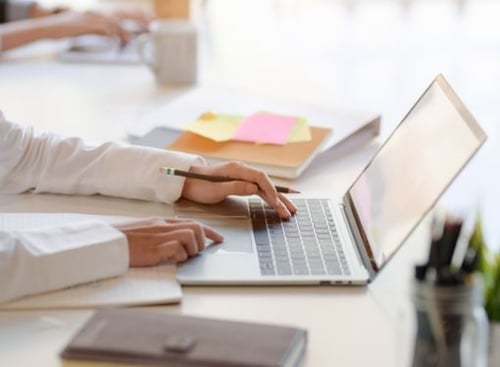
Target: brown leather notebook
point(146, 337)
point(279, 160)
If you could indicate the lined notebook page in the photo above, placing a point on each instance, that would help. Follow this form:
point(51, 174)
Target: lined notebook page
point(139, 286)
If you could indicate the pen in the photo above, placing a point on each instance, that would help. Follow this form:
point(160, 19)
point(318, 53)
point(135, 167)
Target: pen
point(199, 176)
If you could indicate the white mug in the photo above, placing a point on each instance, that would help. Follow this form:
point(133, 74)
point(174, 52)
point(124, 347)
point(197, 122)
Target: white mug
point(174, 51)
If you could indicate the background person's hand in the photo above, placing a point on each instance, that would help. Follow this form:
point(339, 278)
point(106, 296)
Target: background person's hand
point(137, 20)
point(156, 240)
point(71, 24)
point(251, 181)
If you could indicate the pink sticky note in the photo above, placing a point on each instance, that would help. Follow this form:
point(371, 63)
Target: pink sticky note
point(265, 128)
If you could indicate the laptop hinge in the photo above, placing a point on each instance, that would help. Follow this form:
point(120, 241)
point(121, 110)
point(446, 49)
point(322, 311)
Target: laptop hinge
point(357, 239)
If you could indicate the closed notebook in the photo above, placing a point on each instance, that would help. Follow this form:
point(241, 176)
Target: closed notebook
point(278, 160)
point(145, 337)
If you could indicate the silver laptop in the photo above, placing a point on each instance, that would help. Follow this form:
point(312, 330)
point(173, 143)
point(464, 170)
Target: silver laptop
point(100, 50)
point(349, 242)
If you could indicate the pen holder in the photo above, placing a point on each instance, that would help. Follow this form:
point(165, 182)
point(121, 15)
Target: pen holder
point(451, 325)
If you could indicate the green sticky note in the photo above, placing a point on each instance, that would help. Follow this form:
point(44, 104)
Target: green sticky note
point(300, 132)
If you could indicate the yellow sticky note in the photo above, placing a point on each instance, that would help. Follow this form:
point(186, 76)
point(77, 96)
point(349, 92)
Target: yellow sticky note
point(217, 127)
point(300, 132)
point(209, 115)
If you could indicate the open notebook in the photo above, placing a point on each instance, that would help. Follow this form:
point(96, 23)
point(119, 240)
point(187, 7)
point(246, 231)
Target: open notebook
point(139, 286)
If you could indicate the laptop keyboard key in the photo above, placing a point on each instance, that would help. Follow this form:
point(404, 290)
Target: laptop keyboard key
point(305, 244)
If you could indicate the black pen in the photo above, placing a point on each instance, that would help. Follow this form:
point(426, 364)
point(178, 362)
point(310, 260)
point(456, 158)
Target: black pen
point(212, 178)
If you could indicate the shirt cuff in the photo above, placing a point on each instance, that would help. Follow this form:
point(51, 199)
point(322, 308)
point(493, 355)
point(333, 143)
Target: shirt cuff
point(71, 254)
point(133, 172)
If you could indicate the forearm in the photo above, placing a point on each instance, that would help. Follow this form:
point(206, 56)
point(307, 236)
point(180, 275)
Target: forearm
point(23, 32)
point(35, 261)
point(45, 162)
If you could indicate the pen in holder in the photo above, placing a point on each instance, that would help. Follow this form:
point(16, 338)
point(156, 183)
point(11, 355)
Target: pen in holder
point(452, 326)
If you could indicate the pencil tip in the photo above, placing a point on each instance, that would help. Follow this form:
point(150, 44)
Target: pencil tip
point(292, 191)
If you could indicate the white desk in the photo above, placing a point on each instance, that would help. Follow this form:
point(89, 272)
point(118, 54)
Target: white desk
point(77, 99)
point(339, 320)
point(347, 326)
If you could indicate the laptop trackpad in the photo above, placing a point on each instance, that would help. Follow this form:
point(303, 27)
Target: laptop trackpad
point(237, 234)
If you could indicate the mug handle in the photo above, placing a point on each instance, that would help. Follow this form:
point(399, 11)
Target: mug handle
point(142, 41)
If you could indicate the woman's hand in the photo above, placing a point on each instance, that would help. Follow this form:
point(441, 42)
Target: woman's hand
point(155, 240)
point(248, 181)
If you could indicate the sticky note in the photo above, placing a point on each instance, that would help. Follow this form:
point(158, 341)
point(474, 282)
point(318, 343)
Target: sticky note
point(218, 127)
point(265, 128)
point(300, 132)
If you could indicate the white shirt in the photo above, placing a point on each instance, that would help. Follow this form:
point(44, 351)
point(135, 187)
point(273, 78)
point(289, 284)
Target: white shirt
point(34, 261)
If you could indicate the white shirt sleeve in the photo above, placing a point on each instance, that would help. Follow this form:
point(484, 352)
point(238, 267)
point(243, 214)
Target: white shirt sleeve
point(44, 162)
point(39, 260)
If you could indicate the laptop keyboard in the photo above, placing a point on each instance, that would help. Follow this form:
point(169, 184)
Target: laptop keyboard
point(306, 244)
point(98, 49)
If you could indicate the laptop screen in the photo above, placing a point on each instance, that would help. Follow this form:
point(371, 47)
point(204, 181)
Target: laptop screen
point(412, 169)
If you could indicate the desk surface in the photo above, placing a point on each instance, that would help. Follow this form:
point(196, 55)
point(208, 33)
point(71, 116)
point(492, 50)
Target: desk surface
point(335, 62)
point(338, 318)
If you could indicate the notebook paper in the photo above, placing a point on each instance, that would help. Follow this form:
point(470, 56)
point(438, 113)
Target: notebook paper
point(139, 286)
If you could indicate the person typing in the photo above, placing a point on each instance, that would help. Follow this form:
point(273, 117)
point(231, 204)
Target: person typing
point(24, 22)
point(33, 261)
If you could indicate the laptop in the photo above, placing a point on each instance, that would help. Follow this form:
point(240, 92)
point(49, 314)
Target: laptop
point(349, 241)
point(101, 50)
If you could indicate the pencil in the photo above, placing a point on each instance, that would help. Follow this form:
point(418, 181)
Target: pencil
point(211, 178)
